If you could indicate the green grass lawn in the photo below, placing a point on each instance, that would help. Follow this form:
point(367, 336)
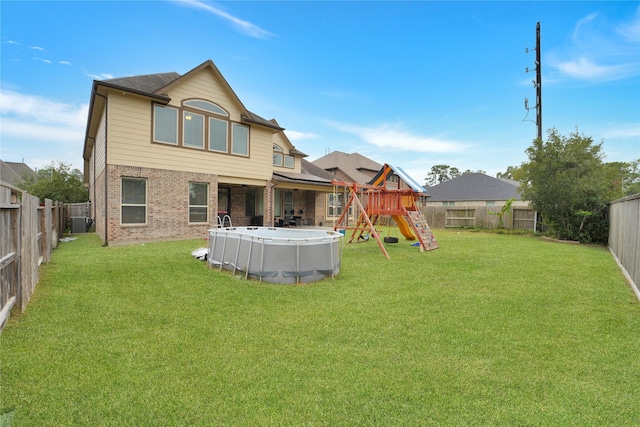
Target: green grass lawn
point(487, 330)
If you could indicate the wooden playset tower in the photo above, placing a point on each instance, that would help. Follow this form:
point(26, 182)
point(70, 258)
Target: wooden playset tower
point(375, 200)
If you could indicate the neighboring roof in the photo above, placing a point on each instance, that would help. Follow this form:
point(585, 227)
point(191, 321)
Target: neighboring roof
point(349, 164)
point(15, 173)
point(474, 186)
point(415, 186)
point(310, 174)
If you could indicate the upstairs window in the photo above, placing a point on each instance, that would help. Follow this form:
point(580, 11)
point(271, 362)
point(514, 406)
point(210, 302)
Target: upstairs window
point(288, 161)
point(218, 131)
point(277, 155)
point(281, 159)
point(240, 139)
point(165, 124)
point(199, 124)
point(193, 130)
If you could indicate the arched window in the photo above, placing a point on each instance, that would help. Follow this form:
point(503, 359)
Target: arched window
point(201, 104)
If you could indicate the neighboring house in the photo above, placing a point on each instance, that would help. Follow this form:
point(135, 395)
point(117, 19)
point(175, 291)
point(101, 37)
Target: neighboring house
point(468, 200)
point(346, 167)
point(16, 174)
point(166, 155)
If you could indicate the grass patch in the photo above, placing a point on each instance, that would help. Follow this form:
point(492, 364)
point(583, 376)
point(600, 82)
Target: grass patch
point(489, 329)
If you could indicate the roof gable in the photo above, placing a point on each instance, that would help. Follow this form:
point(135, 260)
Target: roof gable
point(352, 165)
point(474, 186)
point(206, 66)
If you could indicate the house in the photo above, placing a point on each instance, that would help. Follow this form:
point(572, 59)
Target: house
point(349, 167)
point(16, 174)
point(468, 200)
point(168, 156)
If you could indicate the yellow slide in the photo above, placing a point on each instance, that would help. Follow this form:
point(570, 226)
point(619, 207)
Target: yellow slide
point(404, 227)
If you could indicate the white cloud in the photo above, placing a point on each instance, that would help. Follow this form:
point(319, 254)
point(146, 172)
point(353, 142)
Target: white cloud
point(585, 69)
point(101, 76)
point(622, 130)
point(48, 132)
point(40, 130)
point(35, 109)
point(243, 26)
point(38, 48)
point(65, 63)
point(598, 51)
point(631, 30)
point(298, 136)
point(393, 137)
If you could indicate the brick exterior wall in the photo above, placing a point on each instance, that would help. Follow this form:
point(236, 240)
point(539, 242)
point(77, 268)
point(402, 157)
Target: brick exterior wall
point(167, 205)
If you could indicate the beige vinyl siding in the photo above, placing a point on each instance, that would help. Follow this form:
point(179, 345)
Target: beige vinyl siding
point(99, 147)
point(205, 86)
point(130, 145)
point(482, 203)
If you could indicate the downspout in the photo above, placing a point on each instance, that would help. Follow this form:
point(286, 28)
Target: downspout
point(92, 191)
point(106, 171)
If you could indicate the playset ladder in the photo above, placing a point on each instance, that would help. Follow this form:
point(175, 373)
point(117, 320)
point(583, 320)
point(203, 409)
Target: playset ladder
point(423, 231)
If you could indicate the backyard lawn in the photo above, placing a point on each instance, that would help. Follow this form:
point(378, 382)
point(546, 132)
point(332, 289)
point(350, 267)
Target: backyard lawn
point(487, 330)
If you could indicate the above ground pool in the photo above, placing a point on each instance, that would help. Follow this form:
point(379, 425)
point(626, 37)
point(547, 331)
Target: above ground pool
point(276, 255)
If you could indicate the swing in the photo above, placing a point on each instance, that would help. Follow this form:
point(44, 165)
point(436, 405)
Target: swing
point(388, 238)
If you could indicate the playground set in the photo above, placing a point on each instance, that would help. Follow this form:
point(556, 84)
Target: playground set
point(374, 200)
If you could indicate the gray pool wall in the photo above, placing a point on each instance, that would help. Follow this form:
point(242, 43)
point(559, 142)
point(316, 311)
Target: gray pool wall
point(276, 255)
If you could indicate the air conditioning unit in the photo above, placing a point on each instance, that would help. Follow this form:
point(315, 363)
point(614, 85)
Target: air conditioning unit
point(78, 224)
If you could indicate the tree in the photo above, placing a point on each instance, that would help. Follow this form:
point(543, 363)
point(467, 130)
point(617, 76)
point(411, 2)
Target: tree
point(565, 180)
point(503, 212)
point(624, 178)
point(512, 172)
point(470, 171)
point(440, 174)
point(59, 183)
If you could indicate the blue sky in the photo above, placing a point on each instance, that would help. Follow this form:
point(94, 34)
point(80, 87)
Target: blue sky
point(412, 84)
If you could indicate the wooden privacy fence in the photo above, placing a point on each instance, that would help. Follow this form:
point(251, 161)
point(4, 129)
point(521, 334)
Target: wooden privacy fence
point(624, 236)
point(29, 232)
point(478, 217)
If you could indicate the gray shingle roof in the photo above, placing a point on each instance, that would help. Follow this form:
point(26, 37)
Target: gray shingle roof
point(14, 173)
point(148, 83)
point(474, 186)
point(309, 174)
point(349, 164)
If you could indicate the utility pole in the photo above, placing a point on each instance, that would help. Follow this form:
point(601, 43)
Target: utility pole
point(537, 84)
